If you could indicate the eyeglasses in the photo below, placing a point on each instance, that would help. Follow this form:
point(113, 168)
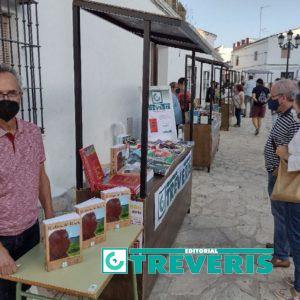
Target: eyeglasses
point(275, 96)
point(13, 94)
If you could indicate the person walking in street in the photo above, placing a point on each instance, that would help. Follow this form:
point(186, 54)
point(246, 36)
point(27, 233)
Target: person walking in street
point(260, 95)
point(23, 181)
point(238, 100)
point(248, 89)
point(176, 105)
point(291, 154)
point(281, 134)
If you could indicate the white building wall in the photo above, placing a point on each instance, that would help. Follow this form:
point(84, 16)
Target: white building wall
point(269, 58)
point(246, 56)
point(177, 68)
point(112, 73)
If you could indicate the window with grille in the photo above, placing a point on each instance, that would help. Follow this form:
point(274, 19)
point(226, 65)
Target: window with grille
point(255, 55)
point(20, 48)
point(237, 60)
point(4, 30)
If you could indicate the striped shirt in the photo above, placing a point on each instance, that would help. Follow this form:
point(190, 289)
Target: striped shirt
point(281, 134)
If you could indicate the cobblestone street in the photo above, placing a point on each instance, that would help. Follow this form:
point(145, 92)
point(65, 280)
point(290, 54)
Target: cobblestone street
point(230, 208)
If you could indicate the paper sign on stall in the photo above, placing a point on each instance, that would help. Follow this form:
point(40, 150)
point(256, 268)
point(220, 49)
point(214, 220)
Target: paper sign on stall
point(137, 218)
point(136, 209)
point(162, 125)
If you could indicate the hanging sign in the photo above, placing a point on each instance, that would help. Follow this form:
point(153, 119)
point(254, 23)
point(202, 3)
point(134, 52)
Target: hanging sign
point(167, 193)
point(162, 125)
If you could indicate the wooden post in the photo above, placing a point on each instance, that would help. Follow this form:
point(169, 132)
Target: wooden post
point(145, 105)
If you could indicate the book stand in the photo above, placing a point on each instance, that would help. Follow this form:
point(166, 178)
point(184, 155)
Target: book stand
point(84, 280)
point(162, 30)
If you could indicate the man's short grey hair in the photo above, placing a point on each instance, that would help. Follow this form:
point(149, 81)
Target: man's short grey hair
point(8, 69)
point(286, 87)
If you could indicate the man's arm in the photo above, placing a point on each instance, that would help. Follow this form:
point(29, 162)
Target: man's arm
point(45, 193)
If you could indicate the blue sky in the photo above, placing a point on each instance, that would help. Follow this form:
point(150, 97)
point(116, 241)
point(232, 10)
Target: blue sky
point(233, 20)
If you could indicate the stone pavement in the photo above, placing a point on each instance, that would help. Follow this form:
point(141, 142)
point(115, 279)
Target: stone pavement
point(230, 208)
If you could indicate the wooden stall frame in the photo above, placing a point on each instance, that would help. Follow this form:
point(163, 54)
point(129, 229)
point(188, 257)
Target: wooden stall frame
point(158, 29)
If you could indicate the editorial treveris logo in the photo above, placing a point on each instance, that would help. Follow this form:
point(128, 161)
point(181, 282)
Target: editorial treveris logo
point(115, 260)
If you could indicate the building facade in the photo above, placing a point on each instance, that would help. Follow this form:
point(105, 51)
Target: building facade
point(267, 57)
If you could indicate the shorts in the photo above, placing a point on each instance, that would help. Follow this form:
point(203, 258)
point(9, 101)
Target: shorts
point(258, 111)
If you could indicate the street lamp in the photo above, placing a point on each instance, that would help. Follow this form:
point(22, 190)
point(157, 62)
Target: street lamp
point(288, 45)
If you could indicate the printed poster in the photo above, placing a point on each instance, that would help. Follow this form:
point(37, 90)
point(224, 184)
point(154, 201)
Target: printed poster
point(162, 124)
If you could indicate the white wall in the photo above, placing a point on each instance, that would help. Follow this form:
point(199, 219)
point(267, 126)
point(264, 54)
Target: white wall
point(269, 58)
point(246, 56)
point(112, 73)
point(176, 58)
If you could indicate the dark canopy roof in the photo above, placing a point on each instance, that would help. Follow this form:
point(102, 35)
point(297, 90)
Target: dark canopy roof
point(210, 61)
point(165, 30)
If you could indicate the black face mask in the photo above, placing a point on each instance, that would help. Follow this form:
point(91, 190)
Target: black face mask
point(177, 91)
point(275, 105)
point(8, 109)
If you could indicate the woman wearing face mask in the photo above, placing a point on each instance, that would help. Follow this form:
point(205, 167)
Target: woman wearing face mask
point(291, 154)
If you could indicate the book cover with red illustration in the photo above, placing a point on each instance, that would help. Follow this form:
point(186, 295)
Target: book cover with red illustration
point(92, 167)
point(118, 156)
point(131, 181)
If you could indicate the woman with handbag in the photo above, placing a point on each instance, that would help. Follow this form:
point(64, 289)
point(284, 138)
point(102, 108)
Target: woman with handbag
point(288, 186)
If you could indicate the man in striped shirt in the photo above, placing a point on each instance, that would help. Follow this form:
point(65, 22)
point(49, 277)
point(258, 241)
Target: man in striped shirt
point(281, 134)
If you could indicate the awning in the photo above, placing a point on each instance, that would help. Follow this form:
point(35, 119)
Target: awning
point(210, 61)
point(257, 71)
point(165, 30)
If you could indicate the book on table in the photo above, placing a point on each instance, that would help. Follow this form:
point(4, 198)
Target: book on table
point(93, 217)
point(118, 156)
point(130, 181)
point(117, 207)
point(92, 167)
point(62, 241)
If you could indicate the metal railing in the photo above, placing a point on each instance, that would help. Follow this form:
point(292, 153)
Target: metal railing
point(20, 48)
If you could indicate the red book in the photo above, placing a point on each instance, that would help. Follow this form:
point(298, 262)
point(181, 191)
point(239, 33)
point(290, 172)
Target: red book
point(131, 181)
point(92, 167)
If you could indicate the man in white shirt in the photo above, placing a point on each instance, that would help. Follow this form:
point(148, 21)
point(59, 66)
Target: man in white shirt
point(248, 88)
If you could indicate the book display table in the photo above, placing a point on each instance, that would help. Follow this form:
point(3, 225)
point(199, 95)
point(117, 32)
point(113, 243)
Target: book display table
point(83, 280)
point(207, 140)
point(227, 112)
point(160, 227)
